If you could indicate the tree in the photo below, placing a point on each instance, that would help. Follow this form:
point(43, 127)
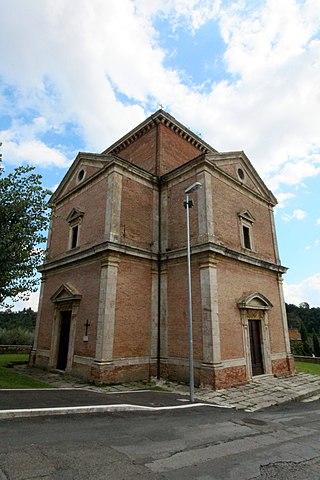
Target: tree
point(307, 350)
point(23, 221)
point(304, 305)
point(316, 344)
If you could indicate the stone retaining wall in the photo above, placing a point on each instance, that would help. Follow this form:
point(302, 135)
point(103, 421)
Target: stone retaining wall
point(307, 359)
point(15, 349)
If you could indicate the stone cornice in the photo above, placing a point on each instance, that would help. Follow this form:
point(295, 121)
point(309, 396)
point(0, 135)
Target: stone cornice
point(109, 162)
point(205, 162)
point(96, 251)
point(108, 247)
point(220, 250)
point(164, 118)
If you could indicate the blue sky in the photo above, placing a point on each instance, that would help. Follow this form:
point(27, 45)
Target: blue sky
point(245, 75)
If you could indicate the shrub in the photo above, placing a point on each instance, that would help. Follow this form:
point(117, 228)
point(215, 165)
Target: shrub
point(15, 336)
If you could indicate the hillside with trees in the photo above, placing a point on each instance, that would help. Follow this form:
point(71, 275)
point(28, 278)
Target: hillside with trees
point(307, 321)
point(17, 328)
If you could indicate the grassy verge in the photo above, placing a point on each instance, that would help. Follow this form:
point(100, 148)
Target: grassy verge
point(11, 379)
point(304, 367)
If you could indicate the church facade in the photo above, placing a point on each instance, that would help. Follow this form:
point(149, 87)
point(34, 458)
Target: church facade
point(114, 297)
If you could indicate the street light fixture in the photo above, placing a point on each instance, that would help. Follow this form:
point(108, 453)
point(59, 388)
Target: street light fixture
point(188, 203)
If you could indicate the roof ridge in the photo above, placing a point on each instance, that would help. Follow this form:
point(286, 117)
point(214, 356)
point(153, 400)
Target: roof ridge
point(163, 117)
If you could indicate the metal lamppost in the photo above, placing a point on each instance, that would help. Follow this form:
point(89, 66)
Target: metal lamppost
point(188, 203)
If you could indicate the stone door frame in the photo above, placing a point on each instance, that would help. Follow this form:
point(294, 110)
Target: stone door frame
point(256, 307)
point(66, 299)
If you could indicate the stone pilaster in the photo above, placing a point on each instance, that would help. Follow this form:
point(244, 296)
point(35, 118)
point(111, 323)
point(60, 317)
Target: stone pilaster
point(155, 213)
point(274, 236)
point(154, 311)
point(107, 309)
point(163, 313)
point(284, 316)
point(36, 332)
point(205, 208)
point(210, 316)
point(113, 207)
point(164, 218)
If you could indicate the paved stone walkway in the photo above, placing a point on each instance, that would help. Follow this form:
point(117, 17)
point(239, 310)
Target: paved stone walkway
point(264, 391)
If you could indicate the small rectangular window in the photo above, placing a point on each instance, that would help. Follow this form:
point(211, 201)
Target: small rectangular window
point(74, 236)
point(246, 237)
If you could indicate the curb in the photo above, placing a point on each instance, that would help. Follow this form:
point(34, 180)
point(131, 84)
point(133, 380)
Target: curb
point(40, 412)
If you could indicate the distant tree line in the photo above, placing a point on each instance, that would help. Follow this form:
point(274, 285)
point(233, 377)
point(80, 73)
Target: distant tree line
point(17, 328)
point(307, 321)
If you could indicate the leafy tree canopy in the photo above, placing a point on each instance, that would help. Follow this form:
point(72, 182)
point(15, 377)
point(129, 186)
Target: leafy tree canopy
point(26, 319)
point(310, 317)
point(307, 321)
point(23, 222)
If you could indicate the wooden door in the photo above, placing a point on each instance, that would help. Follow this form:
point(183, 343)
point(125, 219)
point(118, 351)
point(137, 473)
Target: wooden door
point(255, 347)
point(64, 340)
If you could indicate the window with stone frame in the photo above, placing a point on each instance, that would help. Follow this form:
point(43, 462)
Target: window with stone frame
point(246, 221)
point(74, 219)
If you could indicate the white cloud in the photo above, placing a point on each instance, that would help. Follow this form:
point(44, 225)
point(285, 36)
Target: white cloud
point(306, 291)
point(283, 197)
point(106, 76)
point(32, 303)
point(33, 152)
point(318, 221)
point(20, 144)
point(292, 173)
point(297, 214)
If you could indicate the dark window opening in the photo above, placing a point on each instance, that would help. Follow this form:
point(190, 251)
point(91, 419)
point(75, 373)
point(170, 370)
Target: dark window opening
point(241, 173)
point(81, 175)
point(246, 237)
point(74, 236)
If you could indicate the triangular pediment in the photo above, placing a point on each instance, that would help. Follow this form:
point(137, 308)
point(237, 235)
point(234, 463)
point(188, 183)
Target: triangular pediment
point(84, 167)
point(246, 215)
point(163, 118)
point(238, 167)
point(255, 301)
point(159, 145)
point(75, 214)
point(66, 293)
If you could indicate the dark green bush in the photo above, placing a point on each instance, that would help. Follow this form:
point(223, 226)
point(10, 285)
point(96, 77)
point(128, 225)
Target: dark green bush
point(16, 336)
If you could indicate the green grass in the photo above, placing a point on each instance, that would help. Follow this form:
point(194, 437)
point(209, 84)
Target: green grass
point(305, 367)
point(10, 379)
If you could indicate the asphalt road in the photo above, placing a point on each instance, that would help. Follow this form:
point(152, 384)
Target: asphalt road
point(199, 444)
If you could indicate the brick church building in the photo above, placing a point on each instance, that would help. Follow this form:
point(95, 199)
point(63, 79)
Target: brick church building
point(114, 297)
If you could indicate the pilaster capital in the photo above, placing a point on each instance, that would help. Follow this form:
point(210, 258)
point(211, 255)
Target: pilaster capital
point(209, 262)
point(111, 259)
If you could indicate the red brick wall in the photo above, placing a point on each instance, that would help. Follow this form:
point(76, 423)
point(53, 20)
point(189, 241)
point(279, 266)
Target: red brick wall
point(143, 151)
point(177, 313)
point(227, 203)
point(236, 281)
point(283, 367)
point(230, 377)
point(232, 167)
point(73, 182)
point(86, 279)
point(136, 214)
point(175, 150)
point(92, 225)
point(177, 229)
point(133, 310)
